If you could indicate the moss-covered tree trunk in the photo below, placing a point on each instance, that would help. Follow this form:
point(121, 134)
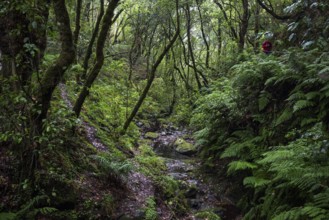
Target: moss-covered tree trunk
point(106, 25)
point(77, 26)
point(54, 74)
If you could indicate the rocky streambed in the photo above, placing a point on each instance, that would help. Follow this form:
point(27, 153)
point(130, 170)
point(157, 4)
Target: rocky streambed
point(203, 191)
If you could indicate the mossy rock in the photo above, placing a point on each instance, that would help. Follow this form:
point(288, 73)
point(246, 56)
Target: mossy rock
point(207, 215)
point(184, 147)
point(151, 135)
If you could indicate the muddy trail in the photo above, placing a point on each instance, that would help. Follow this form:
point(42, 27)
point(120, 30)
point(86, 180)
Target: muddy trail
point(203, 192)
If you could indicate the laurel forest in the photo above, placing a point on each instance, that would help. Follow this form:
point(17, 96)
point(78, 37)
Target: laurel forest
point(164, 109)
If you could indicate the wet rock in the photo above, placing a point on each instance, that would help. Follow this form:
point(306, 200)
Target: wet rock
point(151, 135)
point(139, 124)
point(194, 203)
point(184, 147)
point(139, 215)
point(191, 192)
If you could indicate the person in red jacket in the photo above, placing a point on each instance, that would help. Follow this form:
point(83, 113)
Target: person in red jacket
point(267, 47)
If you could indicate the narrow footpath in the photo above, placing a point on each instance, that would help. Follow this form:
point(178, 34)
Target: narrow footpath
point(203, 190)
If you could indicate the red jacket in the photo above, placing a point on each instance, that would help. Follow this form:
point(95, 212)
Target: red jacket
point(267, 46)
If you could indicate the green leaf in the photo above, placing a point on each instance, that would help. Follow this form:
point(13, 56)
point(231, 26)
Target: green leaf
point(302, 104)
point(255, 181)
point(285, 116)
point(240, 165)
point(262, 103)
point(312, 95)
point(307, 121)
point(7, 216)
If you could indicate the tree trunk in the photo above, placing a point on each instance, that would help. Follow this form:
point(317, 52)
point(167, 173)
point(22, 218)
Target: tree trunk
point(152, 75)
point(219, 38)
point(189, 44)
point(174, 97)
point(54, 74)
point(106, 25)
point(77, 25)
point(257, 26)
point(92, 40)
point(243, 25)
point(204, 35)
point(233, 32)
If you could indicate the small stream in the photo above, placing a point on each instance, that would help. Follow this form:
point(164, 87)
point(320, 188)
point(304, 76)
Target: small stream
point(204, 192)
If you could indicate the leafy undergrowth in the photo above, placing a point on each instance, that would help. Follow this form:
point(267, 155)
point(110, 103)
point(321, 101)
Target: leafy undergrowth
point(269, 118)
point(72, 181)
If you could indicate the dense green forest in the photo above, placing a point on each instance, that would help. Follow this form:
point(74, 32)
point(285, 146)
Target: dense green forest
point(164, 109)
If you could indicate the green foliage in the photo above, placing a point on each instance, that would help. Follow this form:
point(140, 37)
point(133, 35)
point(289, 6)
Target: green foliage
point(152, 165)
point(240, 165)
point(108, 205)
point(7, 215)
point(207, 215)
point(150, 210)
point(112, 169)
point(274, 127)
point(169, 188)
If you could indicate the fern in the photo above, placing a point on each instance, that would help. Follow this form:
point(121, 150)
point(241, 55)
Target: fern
point(31, 204)
point(321, 200)
point(47, 210)
point(293, 214)
point(114, 168)
point(8, 216)
point(255, 181)
point(285, 116)
point(263, 101)
point(240, 165)
point(312, 95)
point(271, 81)
point(315, 213)
point(296, 96)
point(302, 104)
point(308, 121)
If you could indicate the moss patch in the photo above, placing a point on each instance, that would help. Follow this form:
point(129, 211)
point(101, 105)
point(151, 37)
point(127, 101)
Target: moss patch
point(151, 135)
point(184, 147)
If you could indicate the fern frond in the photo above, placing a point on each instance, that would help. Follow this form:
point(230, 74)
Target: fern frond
point(310, 82)
point(271, 81)
point(233, 150)
point(315, 213)
point(31, 204)
point(240, 165)
point(296, 96)
point(285, 116)
point(302, 104)
point(308, 121)
point(321, 200)
point(293, 214)
point(8, 216)
point(312, 95)
point(255, 181)
point(263, 102)
point(47, 210)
